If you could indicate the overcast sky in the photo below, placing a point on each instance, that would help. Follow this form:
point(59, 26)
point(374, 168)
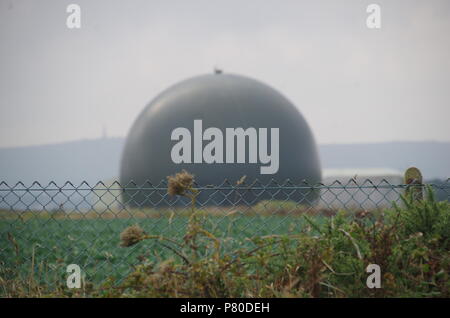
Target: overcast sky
point(352, 84)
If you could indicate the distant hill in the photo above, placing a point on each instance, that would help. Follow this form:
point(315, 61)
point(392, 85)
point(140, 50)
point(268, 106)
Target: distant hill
point(77, 161)
point(432, 158)
point(94, 160)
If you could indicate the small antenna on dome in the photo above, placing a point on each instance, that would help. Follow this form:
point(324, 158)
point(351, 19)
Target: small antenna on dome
point(217, 70)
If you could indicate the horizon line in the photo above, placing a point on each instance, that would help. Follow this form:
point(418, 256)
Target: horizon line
point(56, 143)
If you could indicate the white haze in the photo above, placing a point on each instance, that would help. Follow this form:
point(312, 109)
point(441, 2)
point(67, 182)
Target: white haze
point(351, 83)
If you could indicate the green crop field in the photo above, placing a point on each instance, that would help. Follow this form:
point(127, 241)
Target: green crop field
point(50, 244)
point(272, 249)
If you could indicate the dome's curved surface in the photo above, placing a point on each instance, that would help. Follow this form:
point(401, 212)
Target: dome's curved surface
point(221, 101)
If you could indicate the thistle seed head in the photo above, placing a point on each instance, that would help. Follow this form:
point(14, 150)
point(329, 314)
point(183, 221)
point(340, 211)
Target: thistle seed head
point(131, 235)
point(180, 183)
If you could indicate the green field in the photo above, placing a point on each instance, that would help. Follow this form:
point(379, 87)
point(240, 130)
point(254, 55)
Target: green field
point(50, 244)
point(273, 249)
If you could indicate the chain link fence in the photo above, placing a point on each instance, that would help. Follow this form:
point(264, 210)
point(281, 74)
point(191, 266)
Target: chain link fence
point(44, 228)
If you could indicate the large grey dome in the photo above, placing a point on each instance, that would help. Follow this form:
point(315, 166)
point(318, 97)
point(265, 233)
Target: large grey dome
point(221, 101)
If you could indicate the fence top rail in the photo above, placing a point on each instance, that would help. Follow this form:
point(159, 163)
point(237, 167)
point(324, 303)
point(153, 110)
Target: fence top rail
point(226, 185)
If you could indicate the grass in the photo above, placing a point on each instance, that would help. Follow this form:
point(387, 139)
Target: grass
point(231, 253)
point(93, 243)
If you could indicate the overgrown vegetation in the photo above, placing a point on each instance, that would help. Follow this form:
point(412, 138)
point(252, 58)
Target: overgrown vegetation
point(327, 257)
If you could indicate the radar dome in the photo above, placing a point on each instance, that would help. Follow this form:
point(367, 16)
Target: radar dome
point(219, 127)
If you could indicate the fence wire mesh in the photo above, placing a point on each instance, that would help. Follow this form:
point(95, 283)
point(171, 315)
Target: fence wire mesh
point(43, 228)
